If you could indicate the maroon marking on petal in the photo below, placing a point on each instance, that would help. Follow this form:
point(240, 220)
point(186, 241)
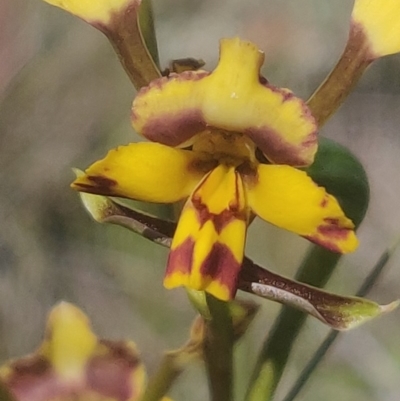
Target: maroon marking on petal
point(180, 259)
point(109, 374)
point(285, 93)
point(332, 233)
point(102, 181)
point(31, 367)
point(333, 230)
point(271, 143)
point(33, 379)
point(277, 150)
point(222, 266)
point(99, 185)
point(203, 165)
point(311, 140)
point(358, 48)
point(324, 201)
point(221, 220)
point(172, 130)
point(325, 243)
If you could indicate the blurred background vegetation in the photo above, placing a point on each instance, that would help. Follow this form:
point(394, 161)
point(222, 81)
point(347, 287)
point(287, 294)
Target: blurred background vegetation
point(65, 100)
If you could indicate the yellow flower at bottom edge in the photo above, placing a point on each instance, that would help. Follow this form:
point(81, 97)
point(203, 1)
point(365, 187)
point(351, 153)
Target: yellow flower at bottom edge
point(379, 22)
point(72, 363)
point(214, 137)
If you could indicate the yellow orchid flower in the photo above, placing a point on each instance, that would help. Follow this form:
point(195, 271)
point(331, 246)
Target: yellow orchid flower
point(229, 143)
point(72, 363)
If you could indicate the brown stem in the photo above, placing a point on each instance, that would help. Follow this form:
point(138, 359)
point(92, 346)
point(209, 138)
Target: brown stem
point(125, 35)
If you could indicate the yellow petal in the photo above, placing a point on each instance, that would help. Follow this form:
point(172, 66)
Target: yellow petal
point(148, 172)
point(380, 22)
point(207, 249)
point(92, 11)
point(171, 111)
point(288, 198)
point(70, 340)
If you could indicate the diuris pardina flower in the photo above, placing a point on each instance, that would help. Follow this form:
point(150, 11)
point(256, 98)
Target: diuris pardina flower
point(73, 364)
point(229, 143)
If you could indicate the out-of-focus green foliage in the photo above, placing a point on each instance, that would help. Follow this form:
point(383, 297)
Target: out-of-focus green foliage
point(343, 176)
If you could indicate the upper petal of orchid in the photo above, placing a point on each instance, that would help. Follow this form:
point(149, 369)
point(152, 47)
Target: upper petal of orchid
point(379, 21)
point(288, 198)
point(173, 110)
point(148, 172)
point(208, 245)
point(72, 363)
point(100, 11)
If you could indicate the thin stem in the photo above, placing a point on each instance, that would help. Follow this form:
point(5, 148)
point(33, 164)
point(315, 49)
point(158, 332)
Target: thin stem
point(168, 371)
point(124, 33)
point(218, 350)
point(319, 354)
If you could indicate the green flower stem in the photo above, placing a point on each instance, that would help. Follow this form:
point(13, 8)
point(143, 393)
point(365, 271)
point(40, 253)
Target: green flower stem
point(172, 365)
point(330, 339)
point(341, 81)
point(218, 350)
point(316, 269)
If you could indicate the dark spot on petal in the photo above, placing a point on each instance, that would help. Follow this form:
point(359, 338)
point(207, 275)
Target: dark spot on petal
point(180, 259)
point(35, 366)
point(33, 379)
point(277, 150)
point(98, 185)
point(222, 266)
point(331, 232)
point(203, 165)
point(109, 373)
point(118, 350)
point(221, 220)
point(325, 243)
point(324, 201)
point(333, 229)
point(103, 182)
point(174, 129)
